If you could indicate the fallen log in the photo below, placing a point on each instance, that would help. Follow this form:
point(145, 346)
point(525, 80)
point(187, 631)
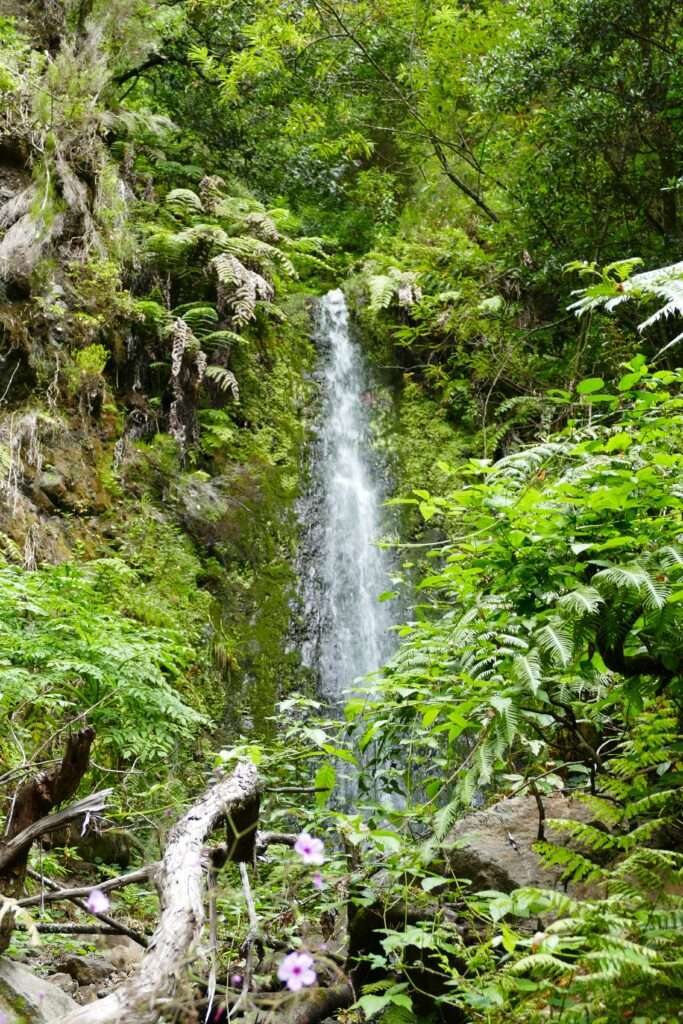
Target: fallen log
point(180, 882)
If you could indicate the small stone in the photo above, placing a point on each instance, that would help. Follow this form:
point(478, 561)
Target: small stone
point(87, 994)
point(64, 981)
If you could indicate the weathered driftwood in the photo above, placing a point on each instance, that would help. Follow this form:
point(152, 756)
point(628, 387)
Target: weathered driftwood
point(180, 881)
point(34, 799)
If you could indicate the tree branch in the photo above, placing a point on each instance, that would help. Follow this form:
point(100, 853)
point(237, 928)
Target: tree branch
point(180, 881)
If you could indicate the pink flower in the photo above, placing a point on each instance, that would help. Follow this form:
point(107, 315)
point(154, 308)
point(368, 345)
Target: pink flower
point(236, 980)
point(296, 970)
point(310, 849)
point(97, 902)
point(318, 880)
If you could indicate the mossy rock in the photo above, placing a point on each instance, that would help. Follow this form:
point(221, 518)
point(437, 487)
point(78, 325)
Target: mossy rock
point(28, 999)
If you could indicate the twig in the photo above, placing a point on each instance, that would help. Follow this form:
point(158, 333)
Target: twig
point(132, 878)
point(249, 943)
point(121, 929)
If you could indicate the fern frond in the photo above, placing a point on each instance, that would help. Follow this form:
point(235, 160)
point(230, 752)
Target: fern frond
point(225, 379)
point(545, 964)
point(254, 250)
point(633, 577)
point(184, 202)
point(527, 668)
point(222, 339)
point(556, 641)
point(582, 601)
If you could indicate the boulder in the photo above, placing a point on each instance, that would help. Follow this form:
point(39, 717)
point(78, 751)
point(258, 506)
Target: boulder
point(86, 970)
point(124, 953)
point(493, 848)
point(26, 998)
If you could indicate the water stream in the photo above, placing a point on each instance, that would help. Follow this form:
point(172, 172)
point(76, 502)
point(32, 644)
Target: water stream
point(342, 569)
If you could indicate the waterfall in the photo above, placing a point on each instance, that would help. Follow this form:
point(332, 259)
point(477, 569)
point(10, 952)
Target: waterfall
point(342, 570)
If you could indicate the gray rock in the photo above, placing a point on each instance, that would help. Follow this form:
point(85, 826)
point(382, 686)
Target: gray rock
point(54, 486)
point(65, 982)
point(121, 951)
point(86, 970)
point(87, 994)
point(28, 999)
point(493, 848)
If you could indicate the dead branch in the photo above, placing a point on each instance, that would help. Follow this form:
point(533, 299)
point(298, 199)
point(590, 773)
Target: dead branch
point(180, 881)
point(71, 929)
point(320, 1003)
point(34, 799)
point(18, 847)
point(132, 878)
point(119, 929)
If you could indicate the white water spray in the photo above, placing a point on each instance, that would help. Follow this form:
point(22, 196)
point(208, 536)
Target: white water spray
point(343, 571)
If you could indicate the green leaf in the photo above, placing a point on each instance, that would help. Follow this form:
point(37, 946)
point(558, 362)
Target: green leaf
point(325, 778)
point(371, 1005)
point(431, 882)
point(589, 385)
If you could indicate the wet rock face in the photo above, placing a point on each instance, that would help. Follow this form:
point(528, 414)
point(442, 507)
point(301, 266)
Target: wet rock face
point(493, 849)
point(27, 999)
point(48, 476)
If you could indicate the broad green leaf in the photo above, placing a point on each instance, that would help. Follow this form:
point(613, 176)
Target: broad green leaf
point(325, 778)
point(589, 385)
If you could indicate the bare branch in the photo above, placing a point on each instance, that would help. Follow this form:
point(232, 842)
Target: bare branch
point(181, 885)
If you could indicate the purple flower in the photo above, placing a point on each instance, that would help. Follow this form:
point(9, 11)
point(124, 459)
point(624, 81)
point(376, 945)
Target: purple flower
point(236, 980)
point(318, 880)
point(296, 970)
point(4, 1019)
point(97, 902)
point(310, 849)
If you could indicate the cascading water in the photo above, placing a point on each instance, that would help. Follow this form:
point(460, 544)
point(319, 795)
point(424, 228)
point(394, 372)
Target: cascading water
point(342, 569)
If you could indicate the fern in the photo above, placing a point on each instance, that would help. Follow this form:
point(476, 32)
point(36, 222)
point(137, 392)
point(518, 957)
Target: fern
point(225, 379)
point(665, 283)
point(634, 577)
point(184, 202)
point(397, 284)
point(582, 601)
point(240, 287)
point(527, 668)
point(556, 641)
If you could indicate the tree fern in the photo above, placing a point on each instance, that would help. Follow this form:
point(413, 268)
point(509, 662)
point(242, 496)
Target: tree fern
point(556, 641)
point(665, 283)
